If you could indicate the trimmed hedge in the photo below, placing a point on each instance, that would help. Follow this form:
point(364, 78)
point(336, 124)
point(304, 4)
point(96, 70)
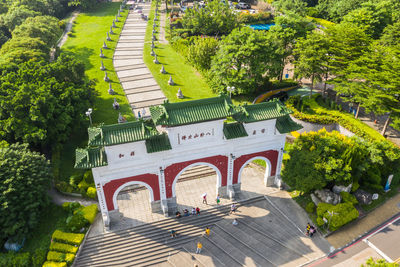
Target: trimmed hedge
point(61, 257)
point(90, 212)
point(54, 264)
point(61, 247)
point(91, 192)
point(326, 116)
point(343, 213)
point(69, 238)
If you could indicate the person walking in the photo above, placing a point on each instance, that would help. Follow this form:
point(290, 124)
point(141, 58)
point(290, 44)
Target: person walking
point(197, 211)
point(207, 231)
point(204, 198)
point(193, 211)
point(308, 229)
point(199, 247)
point(218, 200)
point(233, 208)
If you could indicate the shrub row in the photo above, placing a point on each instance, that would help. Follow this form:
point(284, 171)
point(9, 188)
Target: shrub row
point(326, 116)
point(68, 238)
point(61, 257)
point(54, 264)
point(65, 248)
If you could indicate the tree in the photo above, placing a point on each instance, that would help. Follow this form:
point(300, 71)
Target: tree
point(21, 49)
point(311, 57)
point(288, 28)
point(16, 15)
point(246, 60)
point(391, 34)
point(44, 27)
point(378, 70)
point(201, 52)
point(83, 4)
point(24, 180)
point(372, 18)
point(41, 103)
point(295, 6)
point(379, 263)
point(215, 18)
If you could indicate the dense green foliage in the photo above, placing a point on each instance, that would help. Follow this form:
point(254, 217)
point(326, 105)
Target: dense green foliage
point(321, 158)
point(24, 180)
point(68, 238)
point(348, 198)
point(379, 263)
point(336, 215)
point(215, 18)
point(246, 59)
point(43, 102)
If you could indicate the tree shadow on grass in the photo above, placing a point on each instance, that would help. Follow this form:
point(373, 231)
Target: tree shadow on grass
point(82, 53)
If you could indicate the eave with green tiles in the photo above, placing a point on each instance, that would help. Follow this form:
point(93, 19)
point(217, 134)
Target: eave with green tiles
point(261, 112)
point(90, 158)
point(189, 112)
point(158, 143)
point(234, 130)
point(286, 124)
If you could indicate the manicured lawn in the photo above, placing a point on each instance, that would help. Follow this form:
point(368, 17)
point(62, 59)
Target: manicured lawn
point(186, 78)
point(89, 32)
point(53, 218)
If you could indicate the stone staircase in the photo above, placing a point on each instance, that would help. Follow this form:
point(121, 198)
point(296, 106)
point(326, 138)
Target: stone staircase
point(149, 244)
point(255, 241)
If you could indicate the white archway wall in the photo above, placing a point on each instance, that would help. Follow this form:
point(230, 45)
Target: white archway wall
point(219, 177)
point(128, 184)
point(267, 169)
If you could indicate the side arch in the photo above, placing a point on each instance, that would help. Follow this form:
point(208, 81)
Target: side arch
point(113, 187)
point(267, 171)
point(219, 179)
point(128, 184)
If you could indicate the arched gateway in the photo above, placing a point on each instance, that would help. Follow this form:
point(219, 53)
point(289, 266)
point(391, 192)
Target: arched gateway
point(155, 152)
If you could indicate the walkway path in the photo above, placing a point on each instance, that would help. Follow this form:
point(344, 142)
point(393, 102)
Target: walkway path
point(140, 87)
point(68, 28)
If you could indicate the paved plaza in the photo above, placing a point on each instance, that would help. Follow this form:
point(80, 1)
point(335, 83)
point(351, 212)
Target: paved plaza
point(134, 207)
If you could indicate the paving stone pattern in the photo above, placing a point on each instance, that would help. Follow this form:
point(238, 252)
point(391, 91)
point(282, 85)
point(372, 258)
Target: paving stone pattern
point(139, 85)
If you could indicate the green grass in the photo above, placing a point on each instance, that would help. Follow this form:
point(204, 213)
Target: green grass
point(53, 218)
point(89, 32)
point(185, 77)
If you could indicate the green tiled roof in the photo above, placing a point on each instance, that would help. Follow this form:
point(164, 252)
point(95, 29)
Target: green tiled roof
point(158, 143)
point(90, 158)
point(260, 112)
point(286, 124)
point(234, 130)
point(208, 109)
point(120, 133)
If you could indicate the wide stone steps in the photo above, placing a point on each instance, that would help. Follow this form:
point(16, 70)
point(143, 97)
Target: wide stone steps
point(135, 77)
point(145, 104)
point(150, 243)
point(130, 67)
point(142, 89)
point(184, 258)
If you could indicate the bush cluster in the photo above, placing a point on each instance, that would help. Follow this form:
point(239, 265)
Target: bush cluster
point(54, 264)
point(310, 208)
point(67, 238)
point(348, 198)
point(61, 257)
point(65, 248)
point(342, 214)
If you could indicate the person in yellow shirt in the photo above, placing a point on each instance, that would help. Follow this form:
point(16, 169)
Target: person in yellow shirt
point(199, 247)
point(207, 231)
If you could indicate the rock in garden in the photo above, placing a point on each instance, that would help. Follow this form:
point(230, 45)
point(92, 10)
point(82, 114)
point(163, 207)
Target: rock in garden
point(363, 197)
point(340, 188)
point(315, 199)
point(327, 196)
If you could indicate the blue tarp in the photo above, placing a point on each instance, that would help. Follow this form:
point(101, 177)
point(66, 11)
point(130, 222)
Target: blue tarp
point(262, 27)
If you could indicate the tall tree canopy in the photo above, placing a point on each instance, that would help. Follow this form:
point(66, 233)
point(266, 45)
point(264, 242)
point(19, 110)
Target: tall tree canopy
point(42, 102)
point(246, 60)
point(24, 180)
point(215, 18)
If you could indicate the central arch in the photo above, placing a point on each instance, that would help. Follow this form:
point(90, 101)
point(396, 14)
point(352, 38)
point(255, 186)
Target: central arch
point(219, 176)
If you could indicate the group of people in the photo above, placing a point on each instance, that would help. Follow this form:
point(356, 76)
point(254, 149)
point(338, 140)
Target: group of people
point(217, 199)
point(310, 230)
point(195, 211)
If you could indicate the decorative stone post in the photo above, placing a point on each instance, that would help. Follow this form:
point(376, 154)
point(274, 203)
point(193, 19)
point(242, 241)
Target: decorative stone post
point(105, 45)
point(102, 66)
point(163, 70)
point(101, 53)
point(152, 44)
point(110, 90)
point(156, 60)
point(116, 18)
point(113, 24)
point(106, 77)
point(152, 53)
point(108, 37)
point(170, 81)
point(111, 31)
point(179, 94)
